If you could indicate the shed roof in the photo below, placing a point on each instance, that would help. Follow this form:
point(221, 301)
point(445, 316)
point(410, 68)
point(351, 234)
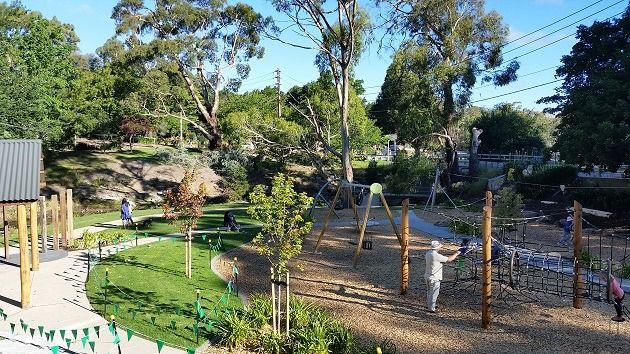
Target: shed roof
point(19, 170)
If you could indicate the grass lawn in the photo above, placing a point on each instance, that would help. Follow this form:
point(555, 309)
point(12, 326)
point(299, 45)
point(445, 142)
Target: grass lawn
point(148, 281)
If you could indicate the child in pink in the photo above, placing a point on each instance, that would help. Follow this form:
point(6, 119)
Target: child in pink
point(616, 293)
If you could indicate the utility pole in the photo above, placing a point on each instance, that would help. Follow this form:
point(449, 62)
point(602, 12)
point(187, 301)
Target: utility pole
point(278, 92)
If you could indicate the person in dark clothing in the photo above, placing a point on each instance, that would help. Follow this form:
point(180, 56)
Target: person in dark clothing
point(229, 221)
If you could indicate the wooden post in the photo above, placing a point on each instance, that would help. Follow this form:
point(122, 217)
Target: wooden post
point(5, 231)
point(34, 237)
point(25, 267)
point(404, 250)
point(390, 217)
point(186, 250)
point(63, 219)
point(43, 222)
point(577, 253)
point(327, 218)
point(357, 251)
point(489, 199)
point(54, 214)
point(70, 216)
point(354, 208)
point(486, 294)
point(190, 254)
point(273, 300)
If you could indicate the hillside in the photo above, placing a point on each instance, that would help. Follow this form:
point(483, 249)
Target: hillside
point(141, 174)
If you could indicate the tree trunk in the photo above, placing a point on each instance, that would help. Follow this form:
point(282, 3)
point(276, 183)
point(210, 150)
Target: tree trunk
point(346, 162)
point(208, 119)
point(450, 148)
point(473, 159)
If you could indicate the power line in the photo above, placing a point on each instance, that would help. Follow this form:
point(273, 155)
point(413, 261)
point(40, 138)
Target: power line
point(524, 75)
point(513, 92)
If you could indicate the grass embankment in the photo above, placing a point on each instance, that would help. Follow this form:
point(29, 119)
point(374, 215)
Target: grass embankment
point(148, 281)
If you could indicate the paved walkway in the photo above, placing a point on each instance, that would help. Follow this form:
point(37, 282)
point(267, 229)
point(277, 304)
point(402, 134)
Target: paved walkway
point(58, 301)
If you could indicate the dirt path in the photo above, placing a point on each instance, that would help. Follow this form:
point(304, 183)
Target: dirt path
point(367, 300)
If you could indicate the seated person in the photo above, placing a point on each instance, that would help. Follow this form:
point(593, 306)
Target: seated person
point(229, 221)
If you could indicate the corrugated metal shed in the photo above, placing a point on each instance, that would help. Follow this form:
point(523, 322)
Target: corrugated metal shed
point(19, 170)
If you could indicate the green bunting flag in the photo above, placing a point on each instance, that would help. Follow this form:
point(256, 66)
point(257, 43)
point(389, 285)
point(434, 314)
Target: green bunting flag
point(173, 239)
point(47, 337)
point(195, 328)
point(178, 310)
point(173, 325)
point(96, 330)
point(203, 237)
point(190, 351)
point(4, 316)
point(41, 330)
point(159, 238)
point(116, 308)
point(158, 309)
point(130, 333)
point(234, 270)
point(133, 314)
point(12, 327)
point(229, 287)
point(116, 340)
point(68, 342)
point(32, 330)
point(223, 299)
point(55, 349)
point(86, 332)
point(153, 320)
point(146, 234)
point(160, 344)
point(84, 341)
point(111, 328)
point(210, 324)
point(74, 333)
point(92, 345)
point(52, 334)
point(24, 327)
point(199, 309)
point(62, 333)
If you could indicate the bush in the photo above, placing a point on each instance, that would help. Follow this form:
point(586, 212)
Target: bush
point(236, 329)
point(91, 239)
point(611, 200)
point(465, 228)
point(565, 175)
point(232, 165)
point(410, 172)
point(181, 157)
point(509, 204)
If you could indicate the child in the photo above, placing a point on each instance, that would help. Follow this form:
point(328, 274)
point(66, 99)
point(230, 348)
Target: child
point(566, 231)
point(616, 293)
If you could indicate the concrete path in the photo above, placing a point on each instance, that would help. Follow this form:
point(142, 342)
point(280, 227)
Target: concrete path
point(58, 301)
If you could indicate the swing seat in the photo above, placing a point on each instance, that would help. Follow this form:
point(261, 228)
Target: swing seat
point(367, 245)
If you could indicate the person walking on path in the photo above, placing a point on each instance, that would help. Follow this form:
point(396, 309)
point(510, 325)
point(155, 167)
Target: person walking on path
point(433, 271)
point(125, 213)
point(567, 227)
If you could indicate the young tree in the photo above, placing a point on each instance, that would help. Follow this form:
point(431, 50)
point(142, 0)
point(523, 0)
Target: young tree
point(196, 34)
point(183, 207)
point(284, 227)
point(132, 126)
point(593, 101)
point(454, 42)
point(337, 31)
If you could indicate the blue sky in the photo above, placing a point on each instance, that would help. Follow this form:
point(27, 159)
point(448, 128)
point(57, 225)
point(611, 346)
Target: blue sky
point(92, 23)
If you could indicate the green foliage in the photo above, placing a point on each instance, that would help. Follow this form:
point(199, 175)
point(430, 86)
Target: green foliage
point(408, 172)
point(464, 227)
point(106, 238)
point(236, 329)
point(623, 272)
point(592, 102)
point(591, 261)
point(182, 205)
point(508, 128)
point(509, 204)
point(611, 200)
point(554, 176)
point(232, 165)
point(284, 226)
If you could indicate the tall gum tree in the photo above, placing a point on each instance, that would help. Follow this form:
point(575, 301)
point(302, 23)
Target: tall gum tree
point(210, 41)
point(336, 29)
point(460, 42)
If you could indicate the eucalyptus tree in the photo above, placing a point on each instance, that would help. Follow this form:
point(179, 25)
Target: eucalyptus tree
point(454, 42)
point(337, 31)
point(210, 41)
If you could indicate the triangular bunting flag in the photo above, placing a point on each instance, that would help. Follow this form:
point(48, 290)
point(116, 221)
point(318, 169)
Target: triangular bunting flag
point(116, 340)
point(24, 327)
point(12, 327)
point(62, 333)
point(199, 309)
point(92, 345)
point(210, 324)
point(223, 299)
point(74, 333)
point(41, 330)
point(160, 344)
point(130, 333)
point(86, 332)
point(68, 342)
point(190, 351)
point(178, 310)
point(146, 234)
point(96, 330)
point(203, 237)
point(47, 337)
point(4, 316)
point(229, 287)
point(160, 238)
point(84, 341)
point(52, 334)
point(111, 328)
point(116, 308)
point(158, 309)
point(195, 328)
point(133, 314)
point(153, 320)
point(173, 325)
point(54, 349)
point(173, 239)
point(32, 330)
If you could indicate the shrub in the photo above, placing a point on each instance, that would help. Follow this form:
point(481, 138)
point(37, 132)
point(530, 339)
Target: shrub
point(612, 200)
point(410, 172)
point(623, 272)
point(236, 329)
point(553, 176)
point(509, 204)
point(91, 239)
point(181, 157)
point(232, 164)
point(465, 228)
